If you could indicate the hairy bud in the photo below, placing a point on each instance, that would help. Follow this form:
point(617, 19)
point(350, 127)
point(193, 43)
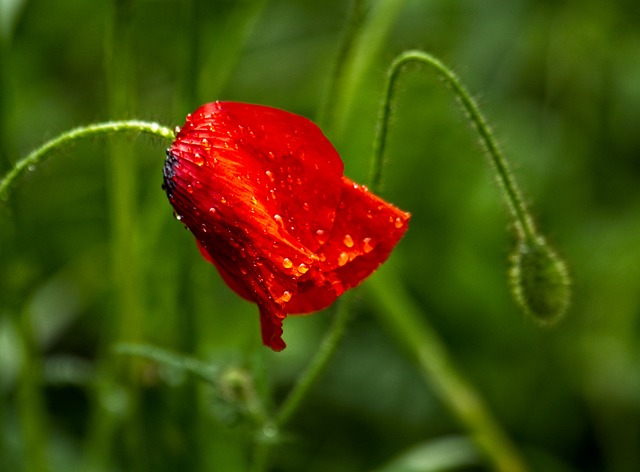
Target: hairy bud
point(539, 281)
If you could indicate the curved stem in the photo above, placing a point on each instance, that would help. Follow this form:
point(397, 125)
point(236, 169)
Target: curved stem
point(305, 382)
point(111, 127)
point(523, 222)
point(319, 362)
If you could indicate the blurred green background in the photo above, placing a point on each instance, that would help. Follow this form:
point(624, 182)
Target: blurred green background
point(90, 254)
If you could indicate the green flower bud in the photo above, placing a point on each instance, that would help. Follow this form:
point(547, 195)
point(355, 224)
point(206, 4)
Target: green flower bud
point(539, 281)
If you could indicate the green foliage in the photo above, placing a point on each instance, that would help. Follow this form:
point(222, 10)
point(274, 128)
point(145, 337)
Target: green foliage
point(557, 80)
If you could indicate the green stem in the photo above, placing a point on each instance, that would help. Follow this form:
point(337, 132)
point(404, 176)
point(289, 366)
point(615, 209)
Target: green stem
point(523, 222)
point(403, 318)
point(333, 101)
point(304, 383)
point(31, 402)
point(65, 139)
point(318, 363)
point(395, 307)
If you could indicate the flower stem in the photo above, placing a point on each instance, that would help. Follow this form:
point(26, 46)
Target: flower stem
point(65, 139)
point(31, 403)
point(319, 362)
point(394, 305)
point(268, 437)
point(403, 318)
point(524, 225)
point(333, 101)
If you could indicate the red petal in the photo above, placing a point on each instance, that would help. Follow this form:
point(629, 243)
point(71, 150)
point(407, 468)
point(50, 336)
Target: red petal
point(262, 191)
point(365, 231)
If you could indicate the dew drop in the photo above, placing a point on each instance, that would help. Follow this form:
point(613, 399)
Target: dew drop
point(243, 270)
point(254, 200)
point(198, 159)
point(270, 175)
point(367, 245)
point(286, 296)
point(343, 258)
point(278, 219)
point(286, 263)
point(398, 223)
point(321, 236)
point(348, 240)
point(205, 143)
point(189, 188)
point(212, 211)
point(223, 200)
point(305, 206)
point(303, 268)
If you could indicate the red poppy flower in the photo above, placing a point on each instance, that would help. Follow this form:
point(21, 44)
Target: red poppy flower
point(263, 193)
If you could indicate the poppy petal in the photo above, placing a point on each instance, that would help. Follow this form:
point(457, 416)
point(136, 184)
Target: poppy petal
point(263, 193)
point(365, 231)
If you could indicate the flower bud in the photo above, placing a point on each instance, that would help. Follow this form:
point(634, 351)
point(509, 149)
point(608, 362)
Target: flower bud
point(539, 281)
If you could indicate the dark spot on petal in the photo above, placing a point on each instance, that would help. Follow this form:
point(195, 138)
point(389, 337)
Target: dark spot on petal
point(169, 173)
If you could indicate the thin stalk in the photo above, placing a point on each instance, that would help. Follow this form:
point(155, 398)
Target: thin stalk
point(305, 382)
point(327, 116)
point(523, 222)
point(403, 318)
point(31, 401)
point(319, 363)
point(395, 307)
point(126, 302)
point(39, 155)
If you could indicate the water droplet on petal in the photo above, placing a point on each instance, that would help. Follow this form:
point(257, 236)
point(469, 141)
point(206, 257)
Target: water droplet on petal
point(303, 268)
point(286, 263)
point(285, 297)
point(198, 159)
point(189, 188)
point(398, 223)
point(348, 240)
point(367, 245)
point(321, 236)
point(278, 219)
point(212, 211)
point(343, 258)
point(270, 175)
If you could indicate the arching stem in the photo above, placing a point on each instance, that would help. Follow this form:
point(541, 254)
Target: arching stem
point(522, 219)
point(40, 154)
